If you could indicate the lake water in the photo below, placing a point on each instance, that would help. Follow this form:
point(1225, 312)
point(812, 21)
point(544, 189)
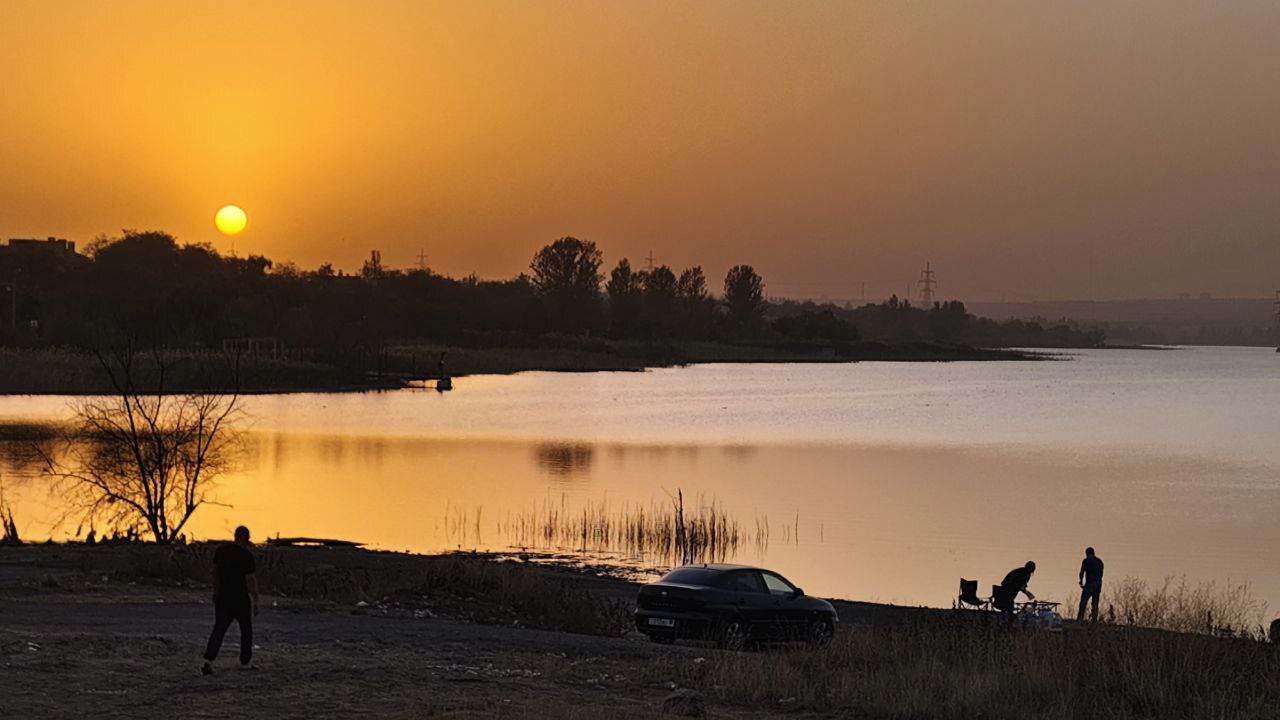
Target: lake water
point(879, 481)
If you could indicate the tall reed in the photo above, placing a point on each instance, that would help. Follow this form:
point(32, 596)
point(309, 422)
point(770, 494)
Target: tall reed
point(8, 526)
point(667, 533)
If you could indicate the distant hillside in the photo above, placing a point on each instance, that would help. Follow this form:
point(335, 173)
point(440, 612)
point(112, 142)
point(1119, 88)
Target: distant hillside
point(1185, 321)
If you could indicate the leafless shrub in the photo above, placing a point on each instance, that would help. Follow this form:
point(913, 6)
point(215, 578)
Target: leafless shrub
point(142, 457)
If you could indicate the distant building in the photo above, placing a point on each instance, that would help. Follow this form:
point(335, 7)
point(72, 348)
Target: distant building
point(26, 262)
point(51, 244)
point(19, 252)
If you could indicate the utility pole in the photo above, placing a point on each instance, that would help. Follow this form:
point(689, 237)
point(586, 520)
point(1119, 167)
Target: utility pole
point(649, 261)
point(422, 259)
point(927, 284)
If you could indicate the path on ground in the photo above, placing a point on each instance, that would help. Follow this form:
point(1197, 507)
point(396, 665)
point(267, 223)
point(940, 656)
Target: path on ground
point(138, 655)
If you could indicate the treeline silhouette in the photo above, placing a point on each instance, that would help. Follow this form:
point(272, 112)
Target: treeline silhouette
point(147, 287)
point(897, 321)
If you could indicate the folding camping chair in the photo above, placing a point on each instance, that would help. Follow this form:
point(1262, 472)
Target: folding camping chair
point(969, 596)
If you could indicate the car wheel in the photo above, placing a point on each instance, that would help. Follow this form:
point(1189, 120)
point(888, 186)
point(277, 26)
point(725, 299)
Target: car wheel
point(734, 635)
point(821, 632)
point(663, 639)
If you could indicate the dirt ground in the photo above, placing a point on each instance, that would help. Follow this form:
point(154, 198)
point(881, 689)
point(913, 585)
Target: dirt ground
point(72, 647)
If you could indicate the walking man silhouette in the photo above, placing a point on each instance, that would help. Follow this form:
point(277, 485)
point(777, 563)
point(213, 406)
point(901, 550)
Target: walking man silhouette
point(235, 597)
point(1090, 584)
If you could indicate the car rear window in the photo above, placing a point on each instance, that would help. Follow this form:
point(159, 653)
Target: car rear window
point(704, 577)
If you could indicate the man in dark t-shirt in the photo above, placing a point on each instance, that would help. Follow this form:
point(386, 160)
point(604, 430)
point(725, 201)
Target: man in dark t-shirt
point(235, 597)
point(1015, 582)
point(1090, 584)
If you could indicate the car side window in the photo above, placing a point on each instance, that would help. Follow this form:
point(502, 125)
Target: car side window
point(777, 585)
point(745, 581)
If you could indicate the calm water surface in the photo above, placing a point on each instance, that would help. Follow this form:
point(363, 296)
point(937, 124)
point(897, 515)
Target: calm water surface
point(884, 481)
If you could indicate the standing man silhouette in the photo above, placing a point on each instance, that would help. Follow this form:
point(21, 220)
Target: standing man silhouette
point(235, 597)
point(1090, 584)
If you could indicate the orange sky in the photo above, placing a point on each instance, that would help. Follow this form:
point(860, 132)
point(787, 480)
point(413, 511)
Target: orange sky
point(1091, 149)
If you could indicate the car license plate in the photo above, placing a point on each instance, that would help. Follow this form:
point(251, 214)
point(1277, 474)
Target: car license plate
point(662, 622)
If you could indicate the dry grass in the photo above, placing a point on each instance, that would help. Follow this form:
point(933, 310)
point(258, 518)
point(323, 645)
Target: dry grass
point(1178, 605)
point(957, 668)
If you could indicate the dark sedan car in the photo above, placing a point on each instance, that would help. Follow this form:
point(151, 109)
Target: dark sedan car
point(733, 605)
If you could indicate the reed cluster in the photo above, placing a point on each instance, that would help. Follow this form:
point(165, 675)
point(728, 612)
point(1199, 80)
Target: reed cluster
point(8, 526)
point(659, 533)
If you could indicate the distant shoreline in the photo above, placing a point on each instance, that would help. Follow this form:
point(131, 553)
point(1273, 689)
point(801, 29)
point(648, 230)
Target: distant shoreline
point(70, 372)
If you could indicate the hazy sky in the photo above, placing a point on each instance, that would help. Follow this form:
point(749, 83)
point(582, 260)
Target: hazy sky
point(1095, 149)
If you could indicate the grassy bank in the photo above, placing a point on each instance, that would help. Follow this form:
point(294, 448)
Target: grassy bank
point(947, 668)
point(586, 354)
point(460, 586)
point(886, 662)
point(73, 372)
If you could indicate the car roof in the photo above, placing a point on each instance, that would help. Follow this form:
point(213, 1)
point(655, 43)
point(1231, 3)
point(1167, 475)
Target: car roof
point(721, 567)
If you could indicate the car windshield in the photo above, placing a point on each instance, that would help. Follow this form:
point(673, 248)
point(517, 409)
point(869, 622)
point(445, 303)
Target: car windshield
point(777, 585)
point(704, 577)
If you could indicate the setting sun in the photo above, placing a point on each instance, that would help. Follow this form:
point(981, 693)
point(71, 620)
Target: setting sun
point(230, 220)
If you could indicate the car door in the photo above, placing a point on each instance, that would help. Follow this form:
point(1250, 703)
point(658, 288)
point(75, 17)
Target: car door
point(788, 618)
point(752, 600)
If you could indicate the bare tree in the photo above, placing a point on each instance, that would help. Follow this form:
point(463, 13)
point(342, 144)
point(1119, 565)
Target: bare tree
point(143, 456)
